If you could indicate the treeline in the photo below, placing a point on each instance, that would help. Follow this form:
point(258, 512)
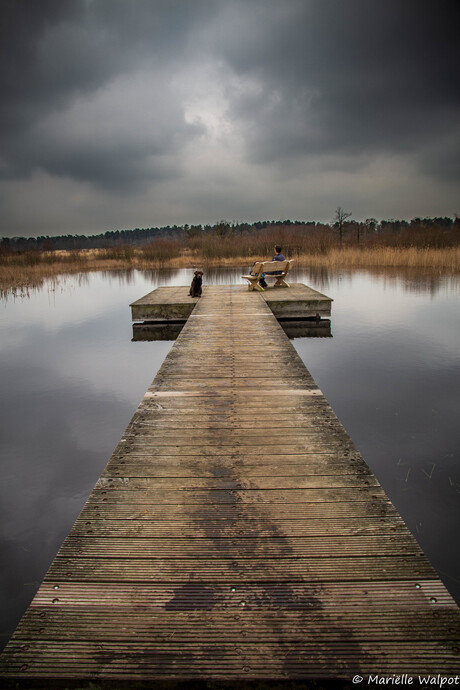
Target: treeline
point(136, 236)
point(296, 236)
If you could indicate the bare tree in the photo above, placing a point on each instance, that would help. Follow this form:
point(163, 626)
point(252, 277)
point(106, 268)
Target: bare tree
point(222, 228)
point(339, 219)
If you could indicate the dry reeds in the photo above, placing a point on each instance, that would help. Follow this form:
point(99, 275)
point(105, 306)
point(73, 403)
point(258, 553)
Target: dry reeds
point(310, 245)
point(159, 252)
point(445, 260)
point(211, 246)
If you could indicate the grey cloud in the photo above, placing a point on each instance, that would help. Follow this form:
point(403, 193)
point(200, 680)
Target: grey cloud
point(345, 77)
point(52, 50)
point(127, 136)
point(75, 51)
point(27, 79)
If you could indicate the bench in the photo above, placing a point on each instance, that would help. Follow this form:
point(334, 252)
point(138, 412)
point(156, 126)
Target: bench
point(268, 267)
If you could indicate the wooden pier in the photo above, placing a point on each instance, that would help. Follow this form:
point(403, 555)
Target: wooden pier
point(236, 534)
point(167, 304)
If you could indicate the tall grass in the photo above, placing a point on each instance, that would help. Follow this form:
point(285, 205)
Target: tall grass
point(320, 243)
point(35, 257)
point(427, 249)
point(248, 245)
point(124, 252)
point(441, 260)
point(430, 248)
point(160, 251)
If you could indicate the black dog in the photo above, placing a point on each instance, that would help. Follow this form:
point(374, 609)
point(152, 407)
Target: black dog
point(195, 288)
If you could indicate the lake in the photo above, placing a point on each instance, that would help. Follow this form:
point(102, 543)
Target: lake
point(71, 378)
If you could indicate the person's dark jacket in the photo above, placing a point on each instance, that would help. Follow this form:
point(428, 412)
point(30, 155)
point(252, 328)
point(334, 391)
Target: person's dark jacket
point(277, 257)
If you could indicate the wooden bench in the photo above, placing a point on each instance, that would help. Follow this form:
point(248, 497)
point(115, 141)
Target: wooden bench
point(268, 267)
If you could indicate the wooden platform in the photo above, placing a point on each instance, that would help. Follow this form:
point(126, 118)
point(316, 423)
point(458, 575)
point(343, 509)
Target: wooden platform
point(236, 534)
point(174, 304)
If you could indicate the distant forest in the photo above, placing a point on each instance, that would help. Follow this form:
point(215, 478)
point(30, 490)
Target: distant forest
point(142, 236)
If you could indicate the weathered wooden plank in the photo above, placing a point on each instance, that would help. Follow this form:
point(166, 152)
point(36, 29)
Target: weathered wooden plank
point(236, 568)
point(306, 659)
point(90, 546)
point(193, 527)
point(234, 511)
point(203, 625)
point(370, 596)
point(182, 446)
point(242, 463)
point(234, 496)
point(277, 482)
point(319, 438)
point(186, 420)
point(248, 436)
point(186, 467)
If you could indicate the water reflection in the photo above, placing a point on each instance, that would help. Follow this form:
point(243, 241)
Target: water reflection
point(156, 331)
point(300, 328)
point(408, 279)
point(306, 328)
point(322, 278)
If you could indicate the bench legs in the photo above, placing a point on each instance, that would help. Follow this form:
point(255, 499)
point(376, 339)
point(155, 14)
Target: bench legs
point(253, 284)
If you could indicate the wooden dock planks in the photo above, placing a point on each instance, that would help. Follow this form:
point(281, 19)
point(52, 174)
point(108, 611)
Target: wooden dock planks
point(236, 533)
point(174, 304)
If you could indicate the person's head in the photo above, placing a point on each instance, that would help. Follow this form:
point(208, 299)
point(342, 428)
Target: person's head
point(277, 249)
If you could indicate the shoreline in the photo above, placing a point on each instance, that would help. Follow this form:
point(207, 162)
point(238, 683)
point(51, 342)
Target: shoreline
point(16, 275)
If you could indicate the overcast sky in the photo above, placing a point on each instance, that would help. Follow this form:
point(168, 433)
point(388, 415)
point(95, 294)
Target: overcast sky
point(137, 113)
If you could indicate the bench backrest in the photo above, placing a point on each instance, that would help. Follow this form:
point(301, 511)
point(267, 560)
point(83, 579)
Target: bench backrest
point(271, 266)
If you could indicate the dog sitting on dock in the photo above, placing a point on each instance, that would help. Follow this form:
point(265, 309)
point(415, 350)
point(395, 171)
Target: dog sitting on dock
point(195, 288)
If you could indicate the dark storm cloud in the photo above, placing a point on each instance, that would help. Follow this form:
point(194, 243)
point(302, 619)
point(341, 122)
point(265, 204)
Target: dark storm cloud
point(22, 79)
point(52, 50)
point(57, 53)
point(345, 77)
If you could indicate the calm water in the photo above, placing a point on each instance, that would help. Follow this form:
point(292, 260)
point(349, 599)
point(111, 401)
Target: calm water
point(71, 379)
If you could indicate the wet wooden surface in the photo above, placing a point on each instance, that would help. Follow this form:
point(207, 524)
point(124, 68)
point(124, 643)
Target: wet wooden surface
point(236, 533)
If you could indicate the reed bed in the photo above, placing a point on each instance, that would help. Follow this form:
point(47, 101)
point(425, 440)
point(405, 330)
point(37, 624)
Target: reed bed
point(445, 260)
point(21, 270)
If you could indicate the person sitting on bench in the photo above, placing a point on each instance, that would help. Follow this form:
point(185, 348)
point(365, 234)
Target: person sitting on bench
point(278, 257)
